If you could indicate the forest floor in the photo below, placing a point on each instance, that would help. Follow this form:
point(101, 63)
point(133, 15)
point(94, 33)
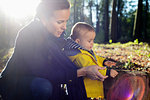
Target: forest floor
point(129, 56)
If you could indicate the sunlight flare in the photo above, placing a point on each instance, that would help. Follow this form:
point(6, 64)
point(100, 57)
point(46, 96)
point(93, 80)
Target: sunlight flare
point(19, 8)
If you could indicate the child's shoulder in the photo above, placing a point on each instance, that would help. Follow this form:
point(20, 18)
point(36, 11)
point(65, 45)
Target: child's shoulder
point(72, 52)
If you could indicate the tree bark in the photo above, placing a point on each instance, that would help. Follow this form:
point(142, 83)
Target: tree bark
point(82, 11)
point(74, 7)
point(137, 32)
point(106, 21)
point(97, 17)
point(114, 22)
point(145, 20)
point(90, 5)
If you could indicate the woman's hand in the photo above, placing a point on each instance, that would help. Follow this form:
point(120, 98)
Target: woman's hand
point(91, 72)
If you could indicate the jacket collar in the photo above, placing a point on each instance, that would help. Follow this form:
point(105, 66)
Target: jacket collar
point(71, 44)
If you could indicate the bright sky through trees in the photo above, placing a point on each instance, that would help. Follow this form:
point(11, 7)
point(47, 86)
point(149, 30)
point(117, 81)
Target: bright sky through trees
point(129, 7)
point(18, 8)
point(22, 8)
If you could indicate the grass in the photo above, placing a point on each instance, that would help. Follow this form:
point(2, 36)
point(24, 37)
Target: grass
point(5, 54)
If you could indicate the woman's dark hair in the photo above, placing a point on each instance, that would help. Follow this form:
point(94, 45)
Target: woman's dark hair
point(47, 7)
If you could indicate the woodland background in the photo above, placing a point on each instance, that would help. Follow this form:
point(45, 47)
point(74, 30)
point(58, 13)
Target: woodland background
point(115, 21)
point(122, 31)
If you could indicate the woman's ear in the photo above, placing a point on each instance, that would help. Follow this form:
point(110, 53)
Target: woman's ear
point(77, 41)
point(43, 20)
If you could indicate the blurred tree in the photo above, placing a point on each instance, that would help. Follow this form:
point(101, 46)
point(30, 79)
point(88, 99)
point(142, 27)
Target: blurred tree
point(137, 32)
point(106, 21)
point(82, 11)
point(120, 15)
point(90, 4)
point(113, 22)
point(99, 21)
point(102, 24)
point(127, 20)
point(123, 21)
point(145, 20)
point(97, 17)
point(75, 15)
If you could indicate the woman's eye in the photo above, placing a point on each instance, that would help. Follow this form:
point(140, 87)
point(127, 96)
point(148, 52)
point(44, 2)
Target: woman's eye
point(59, 22)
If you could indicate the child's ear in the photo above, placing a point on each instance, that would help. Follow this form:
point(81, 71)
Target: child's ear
point(77, 40)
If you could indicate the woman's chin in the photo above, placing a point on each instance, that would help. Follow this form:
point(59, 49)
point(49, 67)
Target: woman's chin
point(58, 35)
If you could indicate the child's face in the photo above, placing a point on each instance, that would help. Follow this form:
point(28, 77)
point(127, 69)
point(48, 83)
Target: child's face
point(86, 40)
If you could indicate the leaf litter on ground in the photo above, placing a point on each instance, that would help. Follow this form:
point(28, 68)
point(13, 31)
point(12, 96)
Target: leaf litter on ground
point(130, 56)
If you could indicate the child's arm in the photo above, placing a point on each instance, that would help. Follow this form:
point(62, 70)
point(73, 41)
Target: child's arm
point(109, 72)
point(113, 73)
point(109, 63)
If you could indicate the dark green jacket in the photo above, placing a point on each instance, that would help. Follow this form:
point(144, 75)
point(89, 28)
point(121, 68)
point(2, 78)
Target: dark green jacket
point(38, 54)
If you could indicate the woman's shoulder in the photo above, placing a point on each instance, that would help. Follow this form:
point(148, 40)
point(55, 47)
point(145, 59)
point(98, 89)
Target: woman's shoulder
point(32, 28)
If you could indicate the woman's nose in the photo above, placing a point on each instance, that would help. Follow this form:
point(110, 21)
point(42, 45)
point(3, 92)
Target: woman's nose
point(64, 26)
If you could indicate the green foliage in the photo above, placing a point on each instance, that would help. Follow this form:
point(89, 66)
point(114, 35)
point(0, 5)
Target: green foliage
point(110, 41)
point(129, 64)
point(136, 41)
point(141, 43)
point(148, 55)
point(5, 54)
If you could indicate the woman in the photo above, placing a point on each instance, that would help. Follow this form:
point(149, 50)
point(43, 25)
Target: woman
point(38, 67)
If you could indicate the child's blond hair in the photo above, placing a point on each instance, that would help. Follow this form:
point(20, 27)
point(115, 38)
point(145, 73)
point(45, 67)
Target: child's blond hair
point(79, 29)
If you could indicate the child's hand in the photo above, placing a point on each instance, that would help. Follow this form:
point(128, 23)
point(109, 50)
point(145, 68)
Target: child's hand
point(113, 73)
point(109, 63)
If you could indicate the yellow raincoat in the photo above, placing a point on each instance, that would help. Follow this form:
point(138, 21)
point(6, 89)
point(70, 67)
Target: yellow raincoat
point(94, 88)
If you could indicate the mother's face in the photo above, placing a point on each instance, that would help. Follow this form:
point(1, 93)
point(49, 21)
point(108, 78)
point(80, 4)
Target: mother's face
point(56, 24)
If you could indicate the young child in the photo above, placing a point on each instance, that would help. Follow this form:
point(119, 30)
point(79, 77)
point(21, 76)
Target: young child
point(79, 50)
